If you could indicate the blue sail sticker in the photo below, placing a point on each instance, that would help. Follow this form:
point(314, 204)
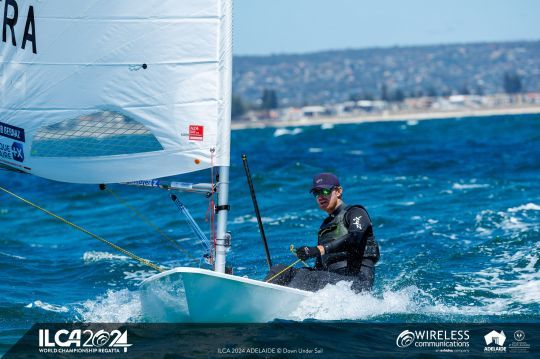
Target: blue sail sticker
point(11, 152)
point(17, 152)
point(15, 133)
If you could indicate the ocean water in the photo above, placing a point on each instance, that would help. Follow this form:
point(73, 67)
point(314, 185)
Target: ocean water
point(455, 206)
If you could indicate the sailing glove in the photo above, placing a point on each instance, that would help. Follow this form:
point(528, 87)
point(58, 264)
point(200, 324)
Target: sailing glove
point(307, 252)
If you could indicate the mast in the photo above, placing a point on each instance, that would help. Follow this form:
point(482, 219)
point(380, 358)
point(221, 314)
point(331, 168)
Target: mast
point(222, 237)
point(225, 65)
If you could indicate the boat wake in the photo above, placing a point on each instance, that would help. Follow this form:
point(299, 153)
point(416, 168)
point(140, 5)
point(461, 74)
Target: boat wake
point(123, 306)
point(340, 302)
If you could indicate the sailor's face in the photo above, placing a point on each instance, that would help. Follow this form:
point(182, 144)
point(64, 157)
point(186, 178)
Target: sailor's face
point(328, 202)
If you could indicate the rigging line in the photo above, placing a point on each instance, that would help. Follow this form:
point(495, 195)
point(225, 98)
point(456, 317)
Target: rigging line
point(291, 248)
point(286, 268)
point(149, 223)
point(146, 262)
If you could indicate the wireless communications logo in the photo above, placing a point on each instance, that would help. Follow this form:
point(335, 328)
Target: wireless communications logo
point(440, 340)
point(83, 341)
point(405, 339)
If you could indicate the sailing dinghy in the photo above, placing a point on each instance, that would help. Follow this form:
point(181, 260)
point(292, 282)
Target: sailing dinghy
point(102, 92)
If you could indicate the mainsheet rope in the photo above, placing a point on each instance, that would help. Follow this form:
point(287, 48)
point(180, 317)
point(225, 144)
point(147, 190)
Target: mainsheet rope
point(143, 261)
point(291, 248)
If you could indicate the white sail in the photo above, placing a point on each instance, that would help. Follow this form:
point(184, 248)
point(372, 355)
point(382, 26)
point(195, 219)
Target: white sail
point(96, 91)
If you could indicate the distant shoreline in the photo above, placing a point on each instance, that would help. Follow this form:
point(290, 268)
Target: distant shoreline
point(388, 117)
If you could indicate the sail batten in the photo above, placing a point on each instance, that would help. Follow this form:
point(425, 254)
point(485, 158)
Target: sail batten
point(163, 64)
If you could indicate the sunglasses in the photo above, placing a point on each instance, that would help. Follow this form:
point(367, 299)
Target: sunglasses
point(325, 192)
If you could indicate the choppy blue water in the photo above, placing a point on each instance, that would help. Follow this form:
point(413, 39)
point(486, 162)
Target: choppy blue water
point(455, 205)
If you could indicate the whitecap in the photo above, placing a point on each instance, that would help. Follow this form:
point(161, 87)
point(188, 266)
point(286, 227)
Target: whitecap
point(525, 207)
point(412, 122)
point(48, 307)
point(94, 256)
point(315, 150)
point(12, 255)
point(327, 126)
point(449, 236)
point(463, 186)
point(410, 203)
point(519, 284)
point(139, 275)
point(285, 131)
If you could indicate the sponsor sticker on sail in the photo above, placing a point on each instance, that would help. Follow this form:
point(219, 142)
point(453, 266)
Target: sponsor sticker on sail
point(12, 132)
point(196, 133)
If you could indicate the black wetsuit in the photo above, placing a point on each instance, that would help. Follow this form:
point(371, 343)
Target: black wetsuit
point(350, 253)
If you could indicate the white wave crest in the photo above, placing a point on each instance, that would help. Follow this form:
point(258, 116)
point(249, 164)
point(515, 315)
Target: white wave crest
point(11, 255)
point(94, 256)
point(512, 222)
point(525, 207)
point(48, 307)
point(518, 284)
point(114, 307)
point(463, 186)
point(139, 275)
point(286, 131)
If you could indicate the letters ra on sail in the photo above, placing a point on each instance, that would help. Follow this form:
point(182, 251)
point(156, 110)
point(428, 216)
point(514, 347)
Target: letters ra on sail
point(95, 91)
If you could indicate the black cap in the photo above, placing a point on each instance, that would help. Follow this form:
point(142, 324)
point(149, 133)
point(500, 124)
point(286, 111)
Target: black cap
point(324, 180)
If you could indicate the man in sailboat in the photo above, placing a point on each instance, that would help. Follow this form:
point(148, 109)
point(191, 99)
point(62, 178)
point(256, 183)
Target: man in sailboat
point(346, 247)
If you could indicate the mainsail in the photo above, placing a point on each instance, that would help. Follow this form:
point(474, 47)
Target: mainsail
point(97, 91)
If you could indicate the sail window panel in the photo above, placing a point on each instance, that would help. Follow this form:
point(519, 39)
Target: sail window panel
point(95, 135)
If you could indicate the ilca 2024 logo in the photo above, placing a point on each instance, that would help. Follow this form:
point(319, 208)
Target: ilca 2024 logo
point(83, 341)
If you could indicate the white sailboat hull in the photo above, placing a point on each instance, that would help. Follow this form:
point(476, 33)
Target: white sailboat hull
point(196, 295)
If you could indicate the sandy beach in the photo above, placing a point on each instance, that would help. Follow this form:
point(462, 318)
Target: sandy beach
point(381, 117)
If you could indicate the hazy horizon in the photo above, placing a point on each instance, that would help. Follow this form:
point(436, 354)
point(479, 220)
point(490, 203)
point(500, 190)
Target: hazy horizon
point(385, 47)
point(276, 27)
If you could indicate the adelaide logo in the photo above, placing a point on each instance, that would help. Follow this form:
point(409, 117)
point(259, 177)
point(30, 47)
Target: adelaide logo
point(495, 342)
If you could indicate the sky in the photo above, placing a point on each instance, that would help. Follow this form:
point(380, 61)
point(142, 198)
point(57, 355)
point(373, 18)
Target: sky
point(263, 27)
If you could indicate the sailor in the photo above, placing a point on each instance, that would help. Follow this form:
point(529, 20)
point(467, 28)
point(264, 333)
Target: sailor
point(346, 244)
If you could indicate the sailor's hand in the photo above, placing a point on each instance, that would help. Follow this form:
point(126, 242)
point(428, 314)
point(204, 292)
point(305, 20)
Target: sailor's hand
point(305, 253)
